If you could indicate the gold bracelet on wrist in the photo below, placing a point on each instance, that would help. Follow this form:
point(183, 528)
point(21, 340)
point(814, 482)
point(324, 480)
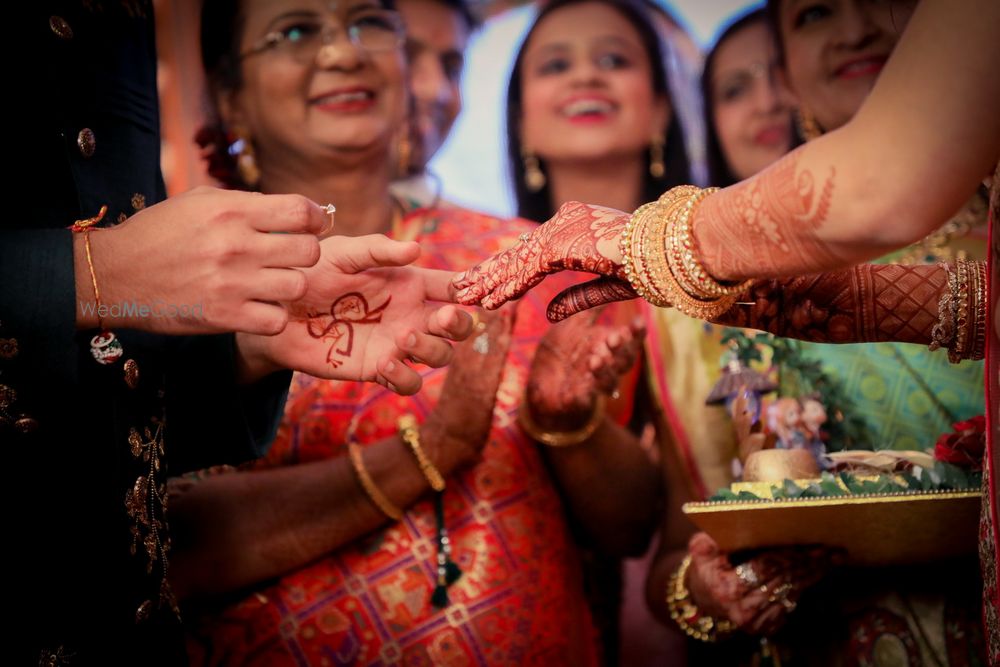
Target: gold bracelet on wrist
point(560, 438)
point(980, 321)
point(943, 332)
point(409, 431)
point(659, 257)
point(688, 617)
point(378, 499)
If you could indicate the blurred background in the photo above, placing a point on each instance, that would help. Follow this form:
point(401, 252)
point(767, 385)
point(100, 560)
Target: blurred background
point(469, 165)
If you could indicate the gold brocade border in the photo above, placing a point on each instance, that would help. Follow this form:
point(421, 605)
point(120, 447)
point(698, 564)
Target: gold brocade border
point(858, 499)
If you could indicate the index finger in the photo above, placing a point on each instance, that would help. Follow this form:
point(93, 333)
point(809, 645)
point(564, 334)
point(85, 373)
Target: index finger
point(438, 285)
point(287, 213)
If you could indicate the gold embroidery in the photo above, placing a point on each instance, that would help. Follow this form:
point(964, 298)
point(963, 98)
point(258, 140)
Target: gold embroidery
point(8, 348)
point(937, 246)
point(131, 374)
point(146, 504)
point(7, 396)
point(138, 201)
point(49, 658)
point(122, 218)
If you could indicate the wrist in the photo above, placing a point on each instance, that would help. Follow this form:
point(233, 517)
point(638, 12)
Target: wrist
point(253, 358)
point(448, 451)
point(113, 308)
point(561, 431)
point(685, 612)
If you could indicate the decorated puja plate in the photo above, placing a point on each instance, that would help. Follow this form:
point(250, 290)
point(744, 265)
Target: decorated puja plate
point(873, 529)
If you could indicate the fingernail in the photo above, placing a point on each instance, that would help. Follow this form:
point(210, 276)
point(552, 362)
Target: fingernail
point(390, 367)
point(459, 278)
point(411, 341)
point(392, 387)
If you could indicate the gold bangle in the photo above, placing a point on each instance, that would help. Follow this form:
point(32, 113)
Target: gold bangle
point(368, 484)
point(410, 434)
point(981, 309)
point(560, 438)
point(632, 261)
point(958, 348)
point(943, 332)
point(686, 615)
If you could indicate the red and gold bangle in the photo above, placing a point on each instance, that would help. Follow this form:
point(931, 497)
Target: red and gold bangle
point(980, 307)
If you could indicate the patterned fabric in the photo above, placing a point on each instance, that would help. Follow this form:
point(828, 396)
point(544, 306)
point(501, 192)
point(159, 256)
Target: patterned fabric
point(989, 537)
point(906, 394)
point(520, 599)
point(907, 397)
point(683, 359)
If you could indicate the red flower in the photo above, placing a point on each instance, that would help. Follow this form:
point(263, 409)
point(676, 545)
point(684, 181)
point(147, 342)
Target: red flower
point(966, 446)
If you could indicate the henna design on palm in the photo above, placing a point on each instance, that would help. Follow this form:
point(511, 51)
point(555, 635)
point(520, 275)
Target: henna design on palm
point(338, 326)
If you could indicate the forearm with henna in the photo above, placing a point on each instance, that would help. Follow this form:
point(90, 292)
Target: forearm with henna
point(234, 530)
point(767, 225)
point(866, 303)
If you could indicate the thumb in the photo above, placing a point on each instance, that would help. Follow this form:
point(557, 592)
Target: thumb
point(703, 545)
point(358, 253)
point(588, 295)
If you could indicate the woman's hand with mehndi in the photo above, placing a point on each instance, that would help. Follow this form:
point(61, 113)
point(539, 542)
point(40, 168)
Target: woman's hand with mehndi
point(575, 362)
point(579, 237)
point(364, 313)
point(758, 594)
point(458, 427)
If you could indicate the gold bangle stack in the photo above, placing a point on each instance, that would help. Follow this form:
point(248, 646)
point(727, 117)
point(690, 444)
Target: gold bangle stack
point(660, 257)
point(378, 499)
point(686, 614)
point(409, 431)
point(560, 438)
point(635, 263)
point(962, 312)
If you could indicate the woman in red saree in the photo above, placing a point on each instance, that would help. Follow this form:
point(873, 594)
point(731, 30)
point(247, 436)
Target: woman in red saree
point(915, 152)
point(340, 552)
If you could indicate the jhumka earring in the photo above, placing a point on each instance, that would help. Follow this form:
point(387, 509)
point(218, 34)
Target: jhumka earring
point(657, 168)
point(808, 127)
point(246, 160)
point(534, 177)
point(404, 153)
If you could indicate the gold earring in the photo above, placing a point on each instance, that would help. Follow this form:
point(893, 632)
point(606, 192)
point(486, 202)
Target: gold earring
point(808, 127)
point(534, 177)
point(657, 169)
point(404, 153)
point(246, 159)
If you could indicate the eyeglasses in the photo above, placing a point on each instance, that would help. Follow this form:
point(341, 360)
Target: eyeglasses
point(374, 30)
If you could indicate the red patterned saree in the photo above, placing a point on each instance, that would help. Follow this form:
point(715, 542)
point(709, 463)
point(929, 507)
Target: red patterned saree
point(520, 600)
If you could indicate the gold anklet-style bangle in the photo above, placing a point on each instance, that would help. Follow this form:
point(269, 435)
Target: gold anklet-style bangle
point(378, 498)
point(560, 438)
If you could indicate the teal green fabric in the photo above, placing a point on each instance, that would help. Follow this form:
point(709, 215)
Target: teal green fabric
point(900, 412)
